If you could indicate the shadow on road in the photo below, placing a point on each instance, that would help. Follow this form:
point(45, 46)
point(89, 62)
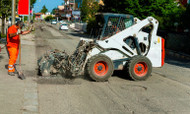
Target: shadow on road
point(6, 66)
point(69, 80)
point(77, 34)
point(1, 57)
point(122, 74)
point(178, 62)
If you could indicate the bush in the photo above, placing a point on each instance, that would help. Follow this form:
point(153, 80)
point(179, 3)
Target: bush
point(88, 10)
point(91, 24)
point(48, 18)
point(166, 11)
point(3, 36)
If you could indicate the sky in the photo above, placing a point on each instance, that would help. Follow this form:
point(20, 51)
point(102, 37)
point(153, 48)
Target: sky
point(50, 4)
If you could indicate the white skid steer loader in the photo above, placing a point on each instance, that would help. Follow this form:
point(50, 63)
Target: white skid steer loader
point(121, 42)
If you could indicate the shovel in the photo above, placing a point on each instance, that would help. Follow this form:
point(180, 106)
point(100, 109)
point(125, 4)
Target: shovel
point(20, 73)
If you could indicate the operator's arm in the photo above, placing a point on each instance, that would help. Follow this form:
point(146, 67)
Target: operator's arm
point(26, 32)
point(23, 33)
point(20, 32)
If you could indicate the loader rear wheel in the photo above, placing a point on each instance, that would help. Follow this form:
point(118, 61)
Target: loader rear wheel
point(100, 68)
point(139, 68)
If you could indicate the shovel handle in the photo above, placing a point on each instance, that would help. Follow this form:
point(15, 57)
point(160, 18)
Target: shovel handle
point(20, 54)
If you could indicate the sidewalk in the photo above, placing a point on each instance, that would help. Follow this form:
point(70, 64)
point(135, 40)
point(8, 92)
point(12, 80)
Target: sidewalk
point(19, 96)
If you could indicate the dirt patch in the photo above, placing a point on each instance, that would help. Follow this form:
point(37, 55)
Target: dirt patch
point(57, 80)
point(30, 73)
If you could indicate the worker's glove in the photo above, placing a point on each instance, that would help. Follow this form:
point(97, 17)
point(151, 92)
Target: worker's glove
point(18, 32)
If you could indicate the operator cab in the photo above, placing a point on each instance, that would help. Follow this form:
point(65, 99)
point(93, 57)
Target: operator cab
point(109, 24)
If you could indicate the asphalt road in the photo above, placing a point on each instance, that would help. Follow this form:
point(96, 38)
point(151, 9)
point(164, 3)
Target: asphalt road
point(167, 91)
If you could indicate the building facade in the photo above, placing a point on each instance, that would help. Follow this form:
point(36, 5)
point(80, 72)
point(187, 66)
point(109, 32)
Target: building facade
point(70, 8)
point(59, 12)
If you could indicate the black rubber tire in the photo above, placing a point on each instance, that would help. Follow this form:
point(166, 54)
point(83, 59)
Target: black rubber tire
point(91, 64)
point(131, 71)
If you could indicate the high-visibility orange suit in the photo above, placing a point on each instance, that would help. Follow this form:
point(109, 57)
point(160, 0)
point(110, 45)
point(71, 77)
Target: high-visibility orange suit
point(12, 47)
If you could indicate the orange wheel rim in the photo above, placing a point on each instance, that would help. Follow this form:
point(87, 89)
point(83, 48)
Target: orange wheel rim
point(101, 68)
point(141, 69)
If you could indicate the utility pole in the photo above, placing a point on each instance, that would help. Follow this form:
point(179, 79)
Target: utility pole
point(13, 12)
point(29, 13)
point(74, 5)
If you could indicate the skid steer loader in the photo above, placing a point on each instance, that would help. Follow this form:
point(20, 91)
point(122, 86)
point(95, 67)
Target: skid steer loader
point(121, 42)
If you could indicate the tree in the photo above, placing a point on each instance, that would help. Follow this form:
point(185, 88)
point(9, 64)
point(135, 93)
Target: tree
point(48, 18)
point(166, 11)
point(4, 12)
point(32, 2)
point(53, 11)
point(44, 9)
point(89, 9)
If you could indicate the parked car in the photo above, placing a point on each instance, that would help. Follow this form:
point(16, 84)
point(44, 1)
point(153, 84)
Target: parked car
point(63, 27)
point(54, 22)
point(62, 22)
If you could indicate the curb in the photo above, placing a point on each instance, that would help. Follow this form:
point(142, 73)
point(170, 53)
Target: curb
point(177, 55)
point(31, 104)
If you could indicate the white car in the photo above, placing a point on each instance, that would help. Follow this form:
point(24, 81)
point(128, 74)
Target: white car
point(62, 22)
point(63, 27)
point(54, 22)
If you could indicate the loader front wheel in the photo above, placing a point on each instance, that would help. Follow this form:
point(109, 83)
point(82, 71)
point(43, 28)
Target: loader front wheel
point(139, 68)
point(100, 68)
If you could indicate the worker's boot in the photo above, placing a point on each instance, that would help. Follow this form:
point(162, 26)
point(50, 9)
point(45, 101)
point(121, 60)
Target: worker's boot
point(11, 73)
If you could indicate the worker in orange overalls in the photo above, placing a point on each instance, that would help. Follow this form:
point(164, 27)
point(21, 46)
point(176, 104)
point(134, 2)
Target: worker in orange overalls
point(13, 41)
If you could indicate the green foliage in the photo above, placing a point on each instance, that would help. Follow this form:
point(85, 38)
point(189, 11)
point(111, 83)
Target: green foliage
point(90, 25)
point(5, 11)
point(53, 11)
point(34, 15)
point(44, 9)
point(5, 7)
point(25, 18)
point(32, 2)
point(166, 11)
point(3, 35)
point(88, 10)
point(48, 18)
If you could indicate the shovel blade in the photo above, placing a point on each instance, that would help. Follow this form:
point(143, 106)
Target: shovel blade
point(21, 76)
